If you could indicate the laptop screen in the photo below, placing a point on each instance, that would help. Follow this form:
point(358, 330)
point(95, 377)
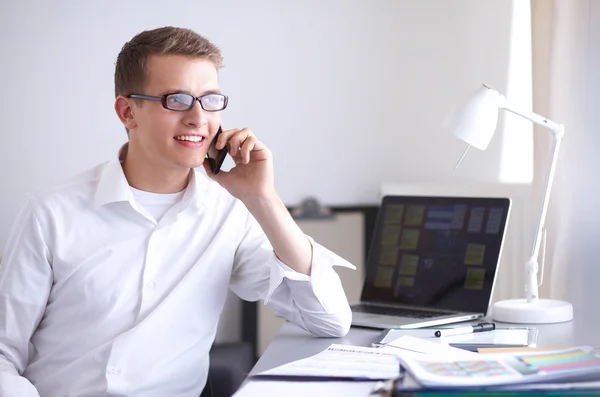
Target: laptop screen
point(436, 252)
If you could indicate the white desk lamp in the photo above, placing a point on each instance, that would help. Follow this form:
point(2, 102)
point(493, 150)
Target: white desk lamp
point(475, 122)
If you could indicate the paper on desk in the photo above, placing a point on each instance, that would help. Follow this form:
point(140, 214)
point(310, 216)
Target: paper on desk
point(341, 361)
point(409, 345)
point(268, 388)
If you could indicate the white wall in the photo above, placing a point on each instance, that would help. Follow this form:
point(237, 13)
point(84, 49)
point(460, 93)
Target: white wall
point(347, 93)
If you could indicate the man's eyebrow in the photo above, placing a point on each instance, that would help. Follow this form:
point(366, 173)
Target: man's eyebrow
point(179, 91)
point(215, 91)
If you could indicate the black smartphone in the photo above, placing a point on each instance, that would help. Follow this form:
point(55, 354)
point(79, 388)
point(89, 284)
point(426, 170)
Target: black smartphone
point(216, 157)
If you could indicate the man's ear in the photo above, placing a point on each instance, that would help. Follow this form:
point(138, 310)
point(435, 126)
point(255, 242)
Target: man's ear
point(124, 110)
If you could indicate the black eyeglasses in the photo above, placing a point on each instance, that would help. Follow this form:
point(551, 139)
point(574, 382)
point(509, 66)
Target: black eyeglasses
point(180, 102)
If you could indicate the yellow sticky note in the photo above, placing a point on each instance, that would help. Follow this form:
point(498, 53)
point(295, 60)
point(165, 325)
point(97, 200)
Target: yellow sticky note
point(410, 239)
point(475, 279)
point(388, 254)
point(474, 254)
point(408, 265)
point(390, 235)
point(404, 282)
point(393, 214)
point(414, 215)
point(383, 278)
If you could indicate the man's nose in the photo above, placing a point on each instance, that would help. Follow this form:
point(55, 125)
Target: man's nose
point(196, 116)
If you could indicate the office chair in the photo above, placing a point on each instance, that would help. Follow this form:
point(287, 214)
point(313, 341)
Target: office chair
point(207, 391)
point(230, 363)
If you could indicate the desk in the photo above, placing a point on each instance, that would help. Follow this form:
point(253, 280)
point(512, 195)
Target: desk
point(292, 343)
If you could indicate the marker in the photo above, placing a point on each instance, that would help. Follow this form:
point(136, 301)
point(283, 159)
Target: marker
point(481, 327)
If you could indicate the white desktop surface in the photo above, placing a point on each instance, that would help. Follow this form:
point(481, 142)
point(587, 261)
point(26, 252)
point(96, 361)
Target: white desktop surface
point(292, 343)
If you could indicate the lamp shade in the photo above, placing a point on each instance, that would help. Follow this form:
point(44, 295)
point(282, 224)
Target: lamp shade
point(475, 120)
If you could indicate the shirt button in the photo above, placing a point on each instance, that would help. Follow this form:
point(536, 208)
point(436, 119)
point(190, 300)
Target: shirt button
point(151, 284)
point(114, 371)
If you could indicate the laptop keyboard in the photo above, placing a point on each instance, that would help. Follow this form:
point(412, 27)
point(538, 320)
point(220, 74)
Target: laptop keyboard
point(400, 312)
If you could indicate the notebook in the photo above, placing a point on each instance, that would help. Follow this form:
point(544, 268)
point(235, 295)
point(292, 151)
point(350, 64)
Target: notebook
point(509, 337)
point(433, 261)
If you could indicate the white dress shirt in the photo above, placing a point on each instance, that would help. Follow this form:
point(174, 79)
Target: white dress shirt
point(97, 298)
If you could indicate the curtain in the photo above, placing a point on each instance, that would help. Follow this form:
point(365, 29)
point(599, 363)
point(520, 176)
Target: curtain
point(566, 89)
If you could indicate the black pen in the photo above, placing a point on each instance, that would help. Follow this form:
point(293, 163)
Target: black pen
point(481, 327)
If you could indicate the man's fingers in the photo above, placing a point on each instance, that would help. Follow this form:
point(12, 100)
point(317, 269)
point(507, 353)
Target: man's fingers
point(241, 142)
point(247, 147)
point(225, 136)
point(237, 139)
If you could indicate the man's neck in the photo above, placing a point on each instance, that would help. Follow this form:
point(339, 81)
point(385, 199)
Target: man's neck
point(143, 175)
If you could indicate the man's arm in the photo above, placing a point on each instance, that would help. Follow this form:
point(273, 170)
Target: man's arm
point(25, 281)
point(316, 303)
point(275, 261)
point(319, 302)
point(289, 242)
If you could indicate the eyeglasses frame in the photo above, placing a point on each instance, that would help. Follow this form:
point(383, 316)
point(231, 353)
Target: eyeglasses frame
point(163, 100)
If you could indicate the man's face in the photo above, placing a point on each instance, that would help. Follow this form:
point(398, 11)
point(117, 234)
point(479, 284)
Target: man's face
point(169, 138)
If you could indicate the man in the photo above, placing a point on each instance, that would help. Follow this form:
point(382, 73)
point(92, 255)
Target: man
point(113, 282)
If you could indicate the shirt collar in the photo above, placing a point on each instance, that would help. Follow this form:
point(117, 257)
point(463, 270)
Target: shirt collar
point(113, 186)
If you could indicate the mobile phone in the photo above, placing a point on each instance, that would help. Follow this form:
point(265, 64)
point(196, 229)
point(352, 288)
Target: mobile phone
point(216, 157)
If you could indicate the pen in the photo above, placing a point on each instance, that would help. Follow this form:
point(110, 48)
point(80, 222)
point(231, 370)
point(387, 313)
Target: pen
point(481, 327)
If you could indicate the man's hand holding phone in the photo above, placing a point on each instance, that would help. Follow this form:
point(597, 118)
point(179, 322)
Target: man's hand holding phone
point(251, 181)
point(252, 176)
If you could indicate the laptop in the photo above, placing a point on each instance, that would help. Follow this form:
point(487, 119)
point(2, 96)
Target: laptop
point(433, 260)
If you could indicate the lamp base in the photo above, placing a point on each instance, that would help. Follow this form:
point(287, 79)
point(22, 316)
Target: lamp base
point(539, 311)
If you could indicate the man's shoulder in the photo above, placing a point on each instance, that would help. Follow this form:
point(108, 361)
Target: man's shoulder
point(70, 190)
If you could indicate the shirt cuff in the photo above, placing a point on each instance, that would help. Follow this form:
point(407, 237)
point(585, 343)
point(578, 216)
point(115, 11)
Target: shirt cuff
point(322, 259)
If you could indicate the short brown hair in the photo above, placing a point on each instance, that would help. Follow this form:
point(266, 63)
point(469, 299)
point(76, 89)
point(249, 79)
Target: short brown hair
point(131, 71)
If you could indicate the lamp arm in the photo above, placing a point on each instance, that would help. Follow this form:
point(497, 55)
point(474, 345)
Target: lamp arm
point(556, 128)
point(546, 197)
point(558, 133)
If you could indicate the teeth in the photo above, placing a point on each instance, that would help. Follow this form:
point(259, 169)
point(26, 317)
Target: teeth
point(189, 138)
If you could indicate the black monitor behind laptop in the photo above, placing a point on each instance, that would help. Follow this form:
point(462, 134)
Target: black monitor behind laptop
point(436, 252)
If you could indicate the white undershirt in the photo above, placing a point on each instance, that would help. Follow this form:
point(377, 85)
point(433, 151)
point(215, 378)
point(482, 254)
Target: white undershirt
point(157, 204)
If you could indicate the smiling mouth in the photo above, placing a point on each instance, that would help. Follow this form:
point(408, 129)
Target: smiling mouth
point(195, 138)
